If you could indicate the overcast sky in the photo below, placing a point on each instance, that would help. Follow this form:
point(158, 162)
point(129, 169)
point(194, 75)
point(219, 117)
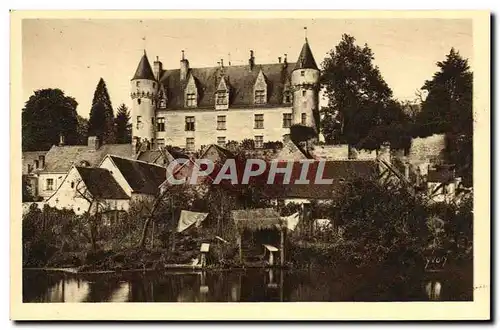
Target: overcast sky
point(73, 54)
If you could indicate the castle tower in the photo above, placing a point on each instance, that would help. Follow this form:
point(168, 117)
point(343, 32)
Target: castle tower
point(305, 82)
point(143, 91)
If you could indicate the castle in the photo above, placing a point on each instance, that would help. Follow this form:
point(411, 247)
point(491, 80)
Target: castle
point(192, 107)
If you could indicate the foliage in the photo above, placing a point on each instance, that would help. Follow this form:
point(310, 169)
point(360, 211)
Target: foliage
point(359, 100)
point(448, 109)
point(123, 127)
point(27, 194)
point(83, 130)
point(101, 122)
point(47, 115)
point(300, 133)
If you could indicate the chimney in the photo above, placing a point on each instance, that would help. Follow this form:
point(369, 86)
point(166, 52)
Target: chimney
point(93, 142)
point(61, 139)
point(285, 60)
point(222, 63)
point(157, 68)
point(184, 67)
point(251, 60)
point(41, 161)
point(279, 59)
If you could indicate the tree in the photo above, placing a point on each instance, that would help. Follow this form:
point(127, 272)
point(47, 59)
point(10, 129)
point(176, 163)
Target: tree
point(83, 130)
point(359, 100)
point(123, 128)
point(448, 109)
point(47, 115)
point(101, 122)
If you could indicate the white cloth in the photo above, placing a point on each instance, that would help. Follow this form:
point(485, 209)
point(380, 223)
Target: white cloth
point(189, 218)
point(291, 220)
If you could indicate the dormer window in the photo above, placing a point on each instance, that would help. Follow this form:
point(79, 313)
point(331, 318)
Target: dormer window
point(137, 83)
point(221, 98)
point(190, 100)
point(287, 97)
point(260, 97)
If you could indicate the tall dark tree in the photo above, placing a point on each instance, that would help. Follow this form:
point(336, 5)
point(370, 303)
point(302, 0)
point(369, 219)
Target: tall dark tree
point(82, 129)
point(123, 127)
point(448, 109)
point(101, 122)
point(360, 101)
point(47, 115)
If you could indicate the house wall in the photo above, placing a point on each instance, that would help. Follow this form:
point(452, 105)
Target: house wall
point(331, 152)
point(427, 149)
point(239, 125)
point(43, 190)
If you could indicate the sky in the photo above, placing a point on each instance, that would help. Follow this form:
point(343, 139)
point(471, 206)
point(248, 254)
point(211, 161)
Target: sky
point(73, 54)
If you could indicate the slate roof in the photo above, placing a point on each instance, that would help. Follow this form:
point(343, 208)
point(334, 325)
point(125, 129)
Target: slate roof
point(59, 159)
point(144, 70)
point(101, 184)
point(142, 177)
point(240, 80)
point(29, 157)
point(152, 156)
point(306, 58)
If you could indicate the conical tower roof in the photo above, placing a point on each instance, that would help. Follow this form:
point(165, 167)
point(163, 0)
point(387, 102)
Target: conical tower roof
point(306, 59)
point(144, 70)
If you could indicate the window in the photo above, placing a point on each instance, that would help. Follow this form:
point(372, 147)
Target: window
point(259, 141)
point(259, 121)
point(191, 100)
point(260, 97)
point(160, 143)
point(302, 73)
point(139, 122)
point(30, 168)
point(221, 141)
point(153, 121)
point(138, 101)
point(163, 104)
point(138, 83)
point(72, 185)
point(160, 124)
point(221, 122)
point(221, 97)
point(304, 118)
point(303, 93)
point(287, 120)
point(190, 144)
point(286, 137)
point(288, 97)
point(50, 184)
point(189, 123)
point(36, 163)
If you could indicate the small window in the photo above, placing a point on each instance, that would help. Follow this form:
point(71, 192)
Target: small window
point(160, 124)
point(287, 120)
point(288, 97)
point(30, 168)
point(50, 184)
point(304, 118)
point(303, 93)
point(221, 98)
point(260, 97)
point(259, 141)
point(153, 121)
point(221, 123)
point(191, 100)
point(163, 104)
point(221, 141)
point(160, 143)
point(139, 122)
point(36, 163)
point(72, 185)
point(190, 144)
point(137, 83)
point(259, 121)
point(302, 73)
point(138, 101)
point(189, 123)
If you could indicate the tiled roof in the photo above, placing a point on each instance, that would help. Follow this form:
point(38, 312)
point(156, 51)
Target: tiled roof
point(59, 159)
point(142, 177)
point(144, 70)
point(101, 184)
point(152, 156)
point(306, 58)
point(240, 80)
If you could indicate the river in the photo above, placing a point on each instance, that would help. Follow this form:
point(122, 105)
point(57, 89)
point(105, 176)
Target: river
point(251, 285)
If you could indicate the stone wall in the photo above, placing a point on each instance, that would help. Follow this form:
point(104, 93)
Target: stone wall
point(428, 149)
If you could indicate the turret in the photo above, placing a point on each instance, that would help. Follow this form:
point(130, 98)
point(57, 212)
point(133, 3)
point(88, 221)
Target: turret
point(143, 90)
point(305, 82)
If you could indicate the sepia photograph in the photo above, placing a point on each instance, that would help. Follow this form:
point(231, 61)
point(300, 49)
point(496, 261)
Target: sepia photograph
point(247, 157)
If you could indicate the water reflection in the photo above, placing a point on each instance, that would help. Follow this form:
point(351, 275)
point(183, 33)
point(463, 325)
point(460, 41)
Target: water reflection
point(252, 285)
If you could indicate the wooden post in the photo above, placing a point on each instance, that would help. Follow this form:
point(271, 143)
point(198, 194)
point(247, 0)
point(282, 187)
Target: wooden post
point(282, 247)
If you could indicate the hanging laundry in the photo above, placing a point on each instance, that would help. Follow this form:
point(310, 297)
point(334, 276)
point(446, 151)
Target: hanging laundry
point(189, 218)
point(291, 220)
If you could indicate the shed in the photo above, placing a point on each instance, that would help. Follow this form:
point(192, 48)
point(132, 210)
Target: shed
point(263, 226)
